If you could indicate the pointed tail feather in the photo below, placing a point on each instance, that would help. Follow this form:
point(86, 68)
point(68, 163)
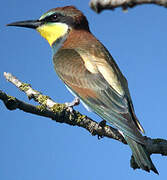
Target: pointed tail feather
point(141, 155)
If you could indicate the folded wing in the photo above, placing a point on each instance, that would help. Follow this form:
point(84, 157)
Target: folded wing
point(97, 83)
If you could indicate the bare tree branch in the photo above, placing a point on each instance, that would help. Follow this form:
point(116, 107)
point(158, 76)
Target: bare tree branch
point(58, 112)
point(55, 111)
point(100, 5)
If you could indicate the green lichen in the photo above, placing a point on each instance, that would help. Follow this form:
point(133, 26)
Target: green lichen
point(24, 87)
point(11, 103)
point(11, 98)
point(74, 116)
point(42, 99)
point(79, 117)
point(58, 108)
point(41, 107)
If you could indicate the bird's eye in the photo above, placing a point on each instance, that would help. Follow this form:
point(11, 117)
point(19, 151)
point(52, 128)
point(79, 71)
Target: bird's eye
point(55, 16)
point(51, 18)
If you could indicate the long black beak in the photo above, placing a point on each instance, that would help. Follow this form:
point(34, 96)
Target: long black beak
point(28, 24)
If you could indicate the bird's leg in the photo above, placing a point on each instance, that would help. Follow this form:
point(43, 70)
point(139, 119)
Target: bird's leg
point(70, 105)
point(101, 124)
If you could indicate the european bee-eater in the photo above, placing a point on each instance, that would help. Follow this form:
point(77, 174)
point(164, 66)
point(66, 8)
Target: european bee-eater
point(90, 72)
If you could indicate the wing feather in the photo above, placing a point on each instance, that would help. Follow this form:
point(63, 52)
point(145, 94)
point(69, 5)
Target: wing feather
point(96, 92)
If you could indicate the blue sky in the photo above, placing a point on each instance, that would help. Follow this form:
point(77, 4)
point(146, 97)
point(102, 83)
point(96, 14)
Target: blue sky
point(33, 147)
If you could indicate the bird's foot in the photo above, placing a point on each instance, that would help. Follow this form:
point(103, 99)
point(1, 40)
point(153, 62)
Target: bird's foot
point(101, 124)
point(70, 105)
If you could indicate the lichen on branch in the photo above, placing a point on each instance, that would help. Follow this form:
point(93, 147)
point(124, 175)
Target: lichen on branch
point(59, 113)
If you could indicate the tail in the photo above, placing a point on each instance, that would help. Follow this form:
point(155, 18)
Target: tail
point(141, 155)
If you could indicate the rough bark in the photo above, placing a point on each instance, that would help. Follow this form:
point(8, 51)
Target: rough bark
point(100, 5)
point(59, 113)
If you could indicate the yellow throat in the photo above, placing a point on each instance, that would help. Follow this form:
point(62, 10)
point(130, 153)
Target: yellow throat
point(53, 31)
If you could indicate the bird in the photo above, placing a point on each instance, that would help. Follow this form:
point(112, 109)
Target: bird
point(89, 71)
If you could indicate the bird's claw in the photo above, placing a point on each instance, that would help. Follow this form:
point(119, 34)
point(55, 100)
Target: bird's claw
point(101, 124)
point(99, 137)
point(70, 105)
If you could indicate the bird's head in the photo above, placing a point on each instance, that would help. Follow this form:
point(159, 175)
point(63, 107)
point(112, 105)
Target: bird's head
point(56, 23)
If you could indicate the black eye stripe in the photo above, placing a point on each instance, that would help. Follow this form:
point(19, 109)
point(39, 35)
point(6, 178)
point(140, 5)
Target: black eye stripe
point(52, 18)
point(58, 17)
